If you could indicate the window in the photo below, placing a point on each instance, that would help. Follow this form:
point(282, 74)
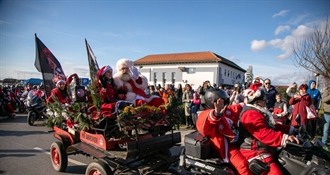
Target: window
point(164, 79)
point(173, 78)
point(155, 78)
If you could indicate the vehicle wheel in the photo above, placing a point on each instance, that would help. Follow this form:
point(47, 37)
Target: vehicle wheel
point(58, 156)
point(31, 118)
point(98, 168)
point(22, 108)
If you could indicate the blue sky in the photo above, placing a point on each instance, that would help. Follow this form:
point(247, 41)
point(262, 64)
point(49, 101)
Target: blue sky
point(257, 33)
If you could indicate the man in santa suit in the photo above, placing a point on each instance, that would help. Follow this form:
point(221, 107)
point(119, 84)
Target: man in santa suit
point(131, 85)
point(261, 135)
point(219, 123)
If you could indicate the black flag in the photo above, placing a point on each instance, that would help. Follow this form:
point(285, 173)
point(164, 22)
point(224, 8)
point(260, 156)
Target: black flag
point(93, 66)
point(48, 65)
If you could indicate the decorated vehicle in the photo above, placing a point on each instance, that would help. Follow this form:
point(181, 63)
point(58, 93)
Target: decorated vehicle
point(133, 140)
point(310, 157)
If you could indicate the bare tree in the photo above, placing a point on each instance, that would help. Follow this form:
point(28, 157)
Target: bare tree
point(313, 52)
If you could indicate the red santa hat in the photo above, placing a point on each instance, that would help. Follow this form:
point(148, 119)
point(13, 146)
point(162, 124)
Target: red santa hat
point(254, 92)
point(103, 70)
point(60, 81)
point(123, 63)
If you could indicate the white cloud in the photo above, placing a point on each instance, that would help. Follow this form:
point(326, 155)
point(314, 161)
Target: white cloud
point(285, 44)
point(301, 31)
point(285, 74)
point(257, 45)
point(281, 13)
point(276, 42)
point(281, 29)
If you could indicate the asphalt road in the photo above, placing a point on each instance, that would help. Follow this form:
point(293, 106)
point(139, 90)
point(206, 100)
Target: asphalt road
point(24, 149)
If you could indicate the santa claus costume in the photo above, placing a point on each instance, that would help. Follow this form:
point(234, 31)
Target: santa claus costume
point(223, 131)
point(131, 85)
point(260, 133)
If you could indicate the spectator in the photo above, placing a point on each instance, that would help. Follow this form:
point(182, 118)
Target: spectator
point(280, 110)
point(167, 93)
point(316, 99)
point(236, 95)
point(300, 101)
point(186, 99)
point(206, 85)
point(326, 103)
point(153, 90)
point(270, 94)
point(292, 90)
point(179, 92)
point(195, 104)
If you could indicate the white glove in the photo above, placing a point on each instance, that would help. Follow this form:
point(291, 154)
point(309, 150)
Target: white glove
point(134, 72)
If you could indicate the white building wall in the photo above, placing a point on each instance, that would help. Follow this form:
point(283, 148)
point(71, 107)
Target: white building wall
point(208, 72)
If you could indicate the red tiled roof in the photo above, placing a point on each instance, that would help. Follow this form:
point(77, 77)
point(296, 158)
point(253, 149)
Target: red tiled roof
point(188, 57)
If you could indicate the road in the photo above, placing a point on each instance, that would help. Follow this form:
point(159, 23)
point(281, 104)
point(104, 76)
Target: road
point(24, 149)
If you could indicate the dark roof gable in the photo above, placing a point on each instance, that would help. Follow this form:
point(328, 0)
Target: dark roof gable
point(188, 57)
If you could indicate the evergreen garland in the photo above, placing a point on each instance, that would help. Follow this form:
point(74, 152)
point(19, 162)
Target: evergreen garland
point(147, 117)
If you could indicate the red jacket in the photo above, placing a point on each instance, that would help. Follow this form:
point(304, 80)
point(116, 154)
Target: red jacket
point(221, 130)
point(261, 130)
point(62, 96)
point(300, 108)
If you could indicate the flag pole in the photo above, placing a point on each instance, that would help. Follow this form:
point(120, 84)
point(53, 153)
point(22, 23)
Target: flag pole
point(37, 50)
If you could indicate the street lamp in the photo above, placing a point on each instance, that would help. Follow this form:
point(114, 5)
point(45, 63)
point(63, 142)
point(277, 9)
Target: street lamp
point(317, 79)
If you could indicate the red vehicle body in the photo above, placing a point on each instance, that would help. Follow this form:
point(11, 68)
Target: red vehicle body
point(136, 154)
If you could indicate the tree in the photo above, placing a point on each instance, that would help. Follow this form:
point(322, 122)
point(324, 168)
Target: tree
point(312, 52)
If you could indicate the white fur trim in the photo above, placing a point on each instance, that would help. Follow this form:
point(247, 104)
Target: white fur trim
point(106, 69)
point(60, 81)
point(251, 95)
point(131, 96)
point(123, 63)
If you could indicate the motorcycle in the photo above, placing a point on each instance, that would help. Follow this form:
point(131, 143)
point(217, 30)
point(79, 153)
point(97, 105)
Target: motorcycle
point(3, 109)
point(36, 110)
point(311, 157)
point(21, 102)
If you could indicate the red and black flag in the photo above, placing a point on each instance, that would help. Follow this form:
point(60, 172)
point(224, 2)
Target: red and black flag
point(93, 66)
point(48, 65)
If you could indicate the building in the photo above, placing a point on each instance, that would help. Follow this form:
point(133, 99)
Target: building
point(249, 74)
point(192, 67)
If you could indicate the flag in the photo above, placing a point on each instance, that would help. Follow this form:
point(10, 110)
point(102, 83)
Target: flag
point(93, 66)
point(48, 65)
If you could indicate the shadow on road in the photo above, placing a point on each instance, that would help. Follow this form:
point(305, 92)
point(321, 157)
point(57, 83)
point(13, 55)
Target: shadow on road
point(21, 133)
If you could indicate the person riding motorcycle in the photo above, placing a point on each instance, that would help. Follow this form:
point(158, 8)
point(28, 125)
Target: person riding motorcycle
point(219, 123)
point(261, 136)
point(5, 97)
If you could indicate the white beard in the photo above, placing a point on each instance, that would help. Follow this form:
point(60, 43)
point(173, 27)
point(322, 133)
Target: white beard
point(125, 77)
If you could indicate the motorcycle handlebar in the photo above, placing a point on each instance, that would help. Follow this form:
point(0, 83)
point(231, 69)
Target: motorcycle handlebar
point(304, 145)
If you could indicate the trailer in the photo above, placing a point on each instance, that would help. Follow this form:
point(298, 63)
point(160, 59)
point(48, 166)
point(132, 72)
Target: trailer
point(142, 154)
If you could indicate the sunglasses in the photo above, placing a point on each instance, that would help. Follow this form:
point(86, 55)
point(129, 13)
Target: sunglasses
point(267, 83)
point(124, 68)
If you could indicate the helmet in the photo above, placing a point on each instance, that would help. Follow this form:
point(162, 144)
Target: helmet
point(212, 95)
